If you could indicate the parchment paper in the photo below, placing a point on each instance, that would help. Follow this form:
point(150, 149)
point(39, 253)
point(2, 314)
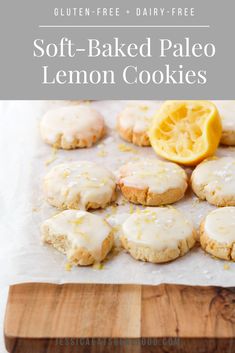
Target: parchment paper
point(24, 161)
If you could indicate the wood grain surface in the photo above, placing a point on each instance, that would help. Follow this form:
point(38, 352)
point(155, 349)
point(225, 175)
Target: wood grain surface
point(46, 318)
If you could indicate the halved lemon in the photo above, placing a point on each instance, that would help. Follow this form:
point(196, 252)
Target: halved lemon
point(186, 132)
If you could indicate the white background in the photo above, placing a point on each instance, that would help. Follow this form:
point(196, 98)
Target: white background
point(3, 290)
point(3, 299)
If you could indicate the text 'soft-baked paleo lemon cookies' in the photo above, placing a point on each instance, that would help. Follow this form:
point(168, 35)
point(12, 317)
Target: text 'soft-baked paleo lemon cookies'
point(84, 237)
point(158, 235)
point(152, 182)
point(134, 121)
point(227, 113)
point(217, 233)
point(79, 185)
point(72, 127)
point(214, 180)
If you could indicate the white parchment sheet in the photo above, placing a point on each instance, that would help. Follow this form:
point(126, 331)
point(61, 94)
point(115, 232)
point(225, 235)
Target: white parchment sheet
point(24, 161)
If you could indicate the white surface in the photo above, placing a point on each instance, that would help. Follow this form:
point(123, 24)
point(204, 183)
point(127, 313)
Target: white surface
point(23, 258)
point(3, 290)
point(3, 300)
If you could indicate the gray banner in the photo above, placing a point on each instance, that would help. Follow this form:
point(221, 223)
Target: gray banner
point(154, 49)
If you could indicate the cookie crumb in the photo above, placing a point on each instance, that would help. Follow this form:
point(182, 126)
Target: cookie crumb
point(196, 201)
point(116, 229)
point(35, 209)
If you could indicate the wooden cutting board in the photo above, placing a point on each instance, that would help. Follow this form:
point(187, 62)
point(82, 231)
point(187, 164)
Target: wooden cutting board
point(99, 318)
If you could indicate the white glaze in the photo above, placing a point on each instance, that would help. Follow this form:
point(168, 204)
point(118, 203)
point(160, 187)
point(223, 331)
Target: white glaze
point(227, 113)
point(154, 174)
point(220, 225)
point(216, 175)
point(82, 229)
point(73, 122)
point(138, 117)
point(159, 228)
point(86, 180)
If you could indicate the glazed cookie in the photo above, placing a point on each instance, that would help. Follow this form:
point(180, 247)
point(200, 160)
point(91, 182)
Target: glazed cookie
point(134, 121)
point(152, 182)
point(158, 235)
point(214, 180)
point(227, 113)
point(79, 185)
point(217, 233)
point(72, 127)
point(84, 237)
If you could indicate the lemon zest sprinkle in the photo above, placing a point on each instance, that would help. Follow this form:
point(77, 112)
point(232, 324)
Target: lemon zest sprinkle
point(68, 266)
point(77, 221)
point(102, 153)
point(53, 156)
point(98, 266)
point(226, 266)
point(144, 108)
point(125, 148)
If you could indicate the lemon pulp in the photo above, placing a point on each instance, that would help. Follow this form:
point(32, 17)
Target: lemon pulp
point(186, 131)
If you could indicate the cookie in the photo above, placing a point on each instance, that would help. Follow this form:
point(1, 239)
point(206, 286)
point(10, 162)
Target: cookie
point(72, 127)
point(157, 235)
point(152, 182)
point(214, 180)
point(134, 121)
point(217, 233)
point(83, 237)
point(79, 185)
point(227, 113)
